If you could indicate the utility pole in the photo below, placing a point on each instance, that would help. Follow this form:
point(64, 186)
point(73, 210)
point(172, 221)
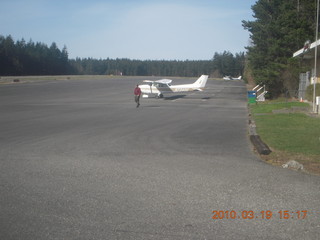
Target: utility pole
point(315, 61)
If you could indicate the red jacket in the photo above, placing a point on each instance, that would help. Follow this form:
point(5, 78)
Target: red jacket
point(137, 91)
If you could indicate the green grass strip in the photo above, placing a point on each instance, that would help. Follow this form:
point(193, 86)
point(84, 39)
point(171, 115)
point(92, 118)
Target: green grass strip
point(293, 132)
point(268, 107)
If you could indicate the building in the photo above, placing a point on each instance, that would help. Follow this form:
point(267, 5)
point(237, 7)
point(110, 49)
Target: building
point(307, 56)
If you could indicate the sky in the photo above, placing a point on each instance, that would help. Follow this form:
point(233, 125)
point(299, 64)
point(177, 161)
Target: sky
point(134, 29)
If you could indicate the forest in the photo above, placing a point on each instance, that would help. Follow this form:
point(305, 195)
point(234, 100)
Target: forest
point(30, 58)
point(22, 58)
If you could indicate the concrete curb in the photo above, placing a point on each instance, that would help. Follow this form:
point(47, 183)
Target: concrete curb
point(255, 139)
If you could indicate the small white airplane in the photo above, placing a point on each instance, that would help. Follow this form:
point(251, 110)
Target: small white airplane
point(159, 87)
point(231, 78)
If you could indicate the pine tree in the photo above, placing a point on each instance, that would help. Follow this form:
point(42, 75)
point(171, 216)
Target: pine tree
point(281, 27)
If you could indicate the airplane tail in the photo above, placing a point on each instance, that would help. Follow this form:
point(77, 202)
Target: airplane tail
point(201, 82)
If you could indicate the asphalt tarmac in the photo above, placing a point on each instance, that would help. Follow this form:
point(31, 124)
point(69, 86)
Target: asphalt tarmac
point(78, 160)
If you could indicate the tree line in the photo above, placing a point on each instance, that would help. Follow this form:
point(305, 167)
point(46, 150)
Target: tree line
point(29, 58)
point(130, 67)
point(280, 28)
point(222, 64)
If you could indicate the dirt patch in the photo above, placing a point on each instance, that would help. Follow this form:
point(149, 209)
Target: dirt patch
point(311, 163)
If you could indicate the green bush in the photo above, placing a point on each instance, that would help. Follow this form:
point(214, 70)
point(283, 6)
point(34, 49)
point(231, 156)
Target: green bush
point(309, 92)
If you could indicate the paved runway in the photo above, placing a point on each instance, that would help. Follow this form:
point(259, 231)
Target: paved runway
point(78, 160)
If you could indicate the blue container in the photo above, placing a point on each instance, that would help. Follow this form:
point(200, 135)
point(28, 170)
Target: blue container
point(252, 94)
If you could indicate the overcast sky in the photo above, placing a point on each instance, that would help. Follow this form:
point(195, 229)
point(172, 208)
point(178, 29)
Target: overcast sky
point(135, 29)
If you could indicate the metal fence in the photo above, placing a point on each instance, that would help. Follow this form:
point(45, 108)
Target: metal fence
point(303, 84)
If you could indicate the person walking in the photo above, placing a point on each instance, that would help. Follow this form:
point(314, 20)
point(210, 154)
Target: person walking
point(137, 94)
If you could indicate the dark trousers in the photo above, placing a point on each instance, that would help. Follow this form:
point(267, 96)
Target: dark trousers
point(137, 99)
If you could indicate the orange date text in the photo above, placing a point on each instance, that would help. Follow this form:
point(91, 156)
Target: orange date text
point(265, 214)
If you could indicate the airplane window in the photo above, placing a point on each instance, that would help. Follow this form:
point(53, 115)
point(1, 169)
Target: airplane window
point(161, 85)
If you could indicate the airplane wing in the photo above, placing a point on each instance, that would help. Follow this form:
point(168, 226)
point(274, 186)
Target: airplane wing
point(164, 81)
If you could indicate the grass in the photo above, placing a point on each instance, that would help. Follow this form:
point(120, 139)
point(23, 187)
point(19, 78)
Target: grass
point(296, 132)
point(268, 107)
point(291, 136)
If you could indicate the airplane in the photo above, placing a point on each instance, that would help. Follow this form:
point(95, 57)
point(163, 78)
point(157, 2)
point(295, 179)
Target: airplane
point(231, 78)
point(159, 87)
